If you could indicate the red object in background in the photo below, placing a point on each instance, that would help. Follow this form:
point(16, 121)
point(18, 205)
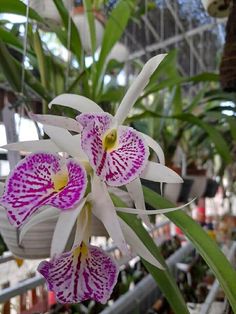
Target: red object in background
point(178, 231)
point(201, 211)
point(51, 298)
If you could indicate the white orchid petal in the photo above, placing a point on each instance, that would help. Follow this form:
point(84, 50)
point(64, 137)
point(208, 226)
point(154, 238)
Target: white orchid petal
point(61, 122)
point(104, 210)
point(155, 146)
point(137, 245)
point(153, 211)
point(83, 227)
point(64, 226)
point(67, 142)
point(159, 173)
point(1, 188)
point(47, 214)
point(77, 102)
point(33, 146)
point(137, 87)
point(136, 192)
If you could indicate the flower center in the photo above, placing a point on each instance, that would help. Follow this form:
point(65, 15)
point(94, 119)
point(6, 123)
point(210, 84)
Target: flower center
point(80, 249)
point(109, 140)
point(60, 180)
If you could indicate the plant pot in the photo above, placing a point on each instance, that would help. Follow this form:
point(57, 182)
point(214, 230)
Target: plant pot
point(82, 25)
point(216, 8)
point(37, 242)
point(178, 193)
point(119, 52)
point(199, 185)
point(211, 188)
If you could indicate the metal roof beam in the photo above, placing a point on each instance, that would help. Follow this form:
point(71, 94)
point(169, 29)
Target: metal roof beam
point(172, 40)
point(180, 25)
point(158, 38)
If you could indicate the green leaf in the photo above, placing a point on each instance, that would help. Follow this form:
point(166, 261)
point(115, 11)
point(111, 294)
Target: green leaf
point(91, 23)
point(13, 71)
point(115, 27)
point(19, 8)
point(215, 136)
point(232, 124)
point(208, 248)
point(42, 65)
point(164, 278)
point(75, 42)
point(9, 68)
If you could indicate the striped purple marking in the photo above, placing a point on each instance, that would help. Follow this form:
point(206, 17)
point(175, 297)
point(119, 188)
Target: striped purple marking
point(125, 162)
point(31, 186)
point(75, 277)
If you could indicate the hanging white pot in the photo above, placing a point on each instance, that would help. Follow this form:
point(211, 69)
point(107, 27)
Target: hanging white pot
point(172, 191)
point(178, 193)
point(216, 8)
point(199, 185)
point(37, 242)
point(47, 10)
point(82, 25)
point(119, 53)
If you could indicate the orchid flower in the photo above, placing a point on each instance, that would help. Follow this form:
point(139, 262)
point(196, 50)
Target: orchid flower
point(111, 155)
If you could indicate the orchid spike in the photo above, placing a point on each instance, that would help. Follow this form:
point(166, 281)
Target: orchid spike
point(42, 179)
point(85, 272)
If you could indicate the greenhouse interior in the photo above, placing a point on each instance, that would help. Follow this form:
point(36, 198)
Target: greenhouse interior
point(117, 156)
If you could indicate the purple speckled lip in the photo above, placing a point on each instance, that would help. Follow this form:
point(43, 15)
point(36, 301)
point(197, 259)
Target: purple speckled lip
point(75, 276)
point(122, 164)
point(31, 186)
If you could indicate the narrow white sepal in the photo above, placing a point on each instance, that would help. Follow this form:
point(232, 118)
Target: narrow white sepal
point(46, 214)
point(153, 211)
point(83, 227)
point(1, 188)
point(159, 173)
point(155, 146)
point(104, 210)
point(137, 245)
point(77, 102)
point(64, 226)
point(61, 122)
point(137, 87)
point(136, 192)
point(67, 142)
point(33, 146)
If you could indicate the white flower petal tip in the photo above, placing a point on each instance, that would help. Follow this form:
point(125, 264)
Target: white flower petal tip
point(137, 245)
point(85, 272)
point(137, 87)
point(67, 142)
point(159, 173)
point(33, 146)
point(61, 122)
point(154, 211)
point(77, 102)
point(156, 147)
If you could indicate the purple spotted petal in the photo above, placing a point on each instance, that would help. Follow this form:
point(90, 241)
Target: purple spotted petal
point(31, 186)
point(81, 274)
point(121, 165)
point(102, 119)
